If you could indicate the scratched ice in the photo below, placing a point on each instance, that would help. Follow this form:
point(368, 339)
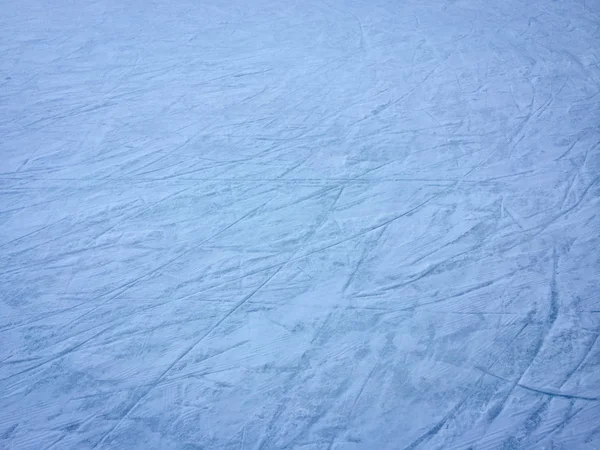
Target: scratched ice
point(265, 224)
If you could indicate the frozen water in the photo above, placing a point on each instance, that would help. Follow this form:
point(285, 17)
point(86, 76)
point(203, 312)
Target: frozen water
point(332, 224)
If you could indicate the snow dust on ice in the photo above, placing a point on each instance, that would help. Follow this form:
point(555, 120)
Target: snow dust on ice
point(334, 224)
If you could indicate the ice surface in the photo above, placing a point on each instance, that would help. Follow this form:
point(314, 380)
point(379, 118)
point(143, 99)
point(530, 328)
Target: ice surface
point(303, 224)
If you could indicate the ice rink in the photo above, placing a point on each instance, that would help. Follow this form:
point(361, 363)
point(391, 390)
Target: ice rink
point(308, 225)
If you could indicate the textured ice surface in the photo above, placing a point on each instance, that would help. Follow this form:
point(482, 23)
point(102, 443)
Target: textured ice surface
point(286, 224)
